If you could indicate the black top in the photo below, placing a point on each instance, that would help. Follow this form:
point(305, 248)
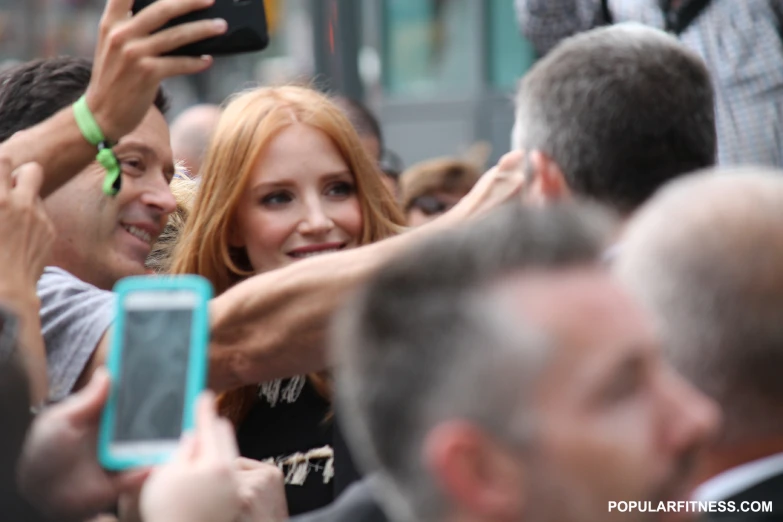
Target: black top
point(288, 421)
point(770, 490)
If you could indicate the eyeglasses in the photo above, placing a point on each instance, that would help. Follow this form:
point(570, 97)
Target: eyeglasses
point(430, 205)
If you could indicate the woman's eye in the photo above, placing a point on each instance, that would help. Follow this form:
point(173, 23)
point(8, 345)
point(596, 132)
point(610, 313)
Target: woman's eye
point(276, 198)
point(341, 189)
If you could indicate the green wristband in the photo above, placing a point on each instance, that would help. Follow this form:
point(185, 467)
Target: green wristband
point(94, 135)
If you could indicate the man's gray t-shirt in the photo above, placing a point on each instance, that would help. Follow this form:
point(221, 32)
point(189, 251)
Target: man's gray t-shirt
point(74, 317)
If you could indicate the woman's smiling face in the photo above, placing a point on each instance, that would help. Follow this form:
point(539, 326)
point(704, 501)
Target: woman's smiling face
point(301, 201)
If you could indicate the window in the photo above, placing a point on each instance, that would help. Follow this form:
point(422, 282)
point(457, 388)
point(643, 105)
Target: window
point(429, 47)
point(510, 55)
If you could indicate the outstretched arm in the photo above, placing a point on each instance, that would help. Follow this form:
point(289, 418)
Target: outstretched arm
point(275, 324)
point(26, 234)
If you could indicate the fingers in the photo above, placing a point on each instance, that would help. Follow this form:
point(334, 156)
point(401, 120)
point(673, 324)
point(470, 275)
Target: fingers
point(29, 178)
point(180, 65)
point(245, 464)
point(169, 39)
point(131, 480)
point(207, 427)
point(229, 450)
point(511, 160)
point(6, 178)
point(115, 11)
point(85, 406)
point(217, 440)
point(186, 451)
point(159, 13)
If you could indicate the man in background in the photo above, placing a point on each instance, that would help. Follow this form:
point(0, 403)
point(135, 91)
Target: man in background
point(190, 135)
point(740, 42)
point(706, 257)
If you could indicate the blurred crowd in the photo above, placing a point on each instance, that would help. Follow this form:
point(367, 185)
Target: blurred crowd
point(589, 330)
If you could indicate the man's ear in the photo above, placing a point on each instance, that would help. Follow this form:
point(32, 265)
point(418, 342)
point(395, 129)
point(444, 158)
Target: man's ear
point(478, 475)
point(548, 182)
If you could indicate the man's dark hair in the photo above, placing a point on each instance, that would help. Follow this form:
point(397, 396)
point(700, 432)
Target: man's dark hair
point(364, 121)
point(621, 110)
point(34, 91)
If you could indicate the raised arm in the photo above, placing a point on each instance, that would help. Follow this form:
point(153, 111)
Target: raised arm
point(545, 22)
point(126, 75)
point(26, 235)
point(275, 324)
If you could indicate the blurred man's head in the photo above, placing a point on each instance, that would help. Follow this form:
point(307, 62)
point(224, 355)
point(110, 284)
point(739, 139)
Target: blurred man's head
point(706, 257)
point(190, 135)
point(499, 373)
point(614, 113)
point(99, 239)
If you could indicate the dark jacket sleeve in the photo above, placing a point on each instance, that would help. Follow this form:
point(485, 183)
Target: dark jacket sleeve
point(545, 22)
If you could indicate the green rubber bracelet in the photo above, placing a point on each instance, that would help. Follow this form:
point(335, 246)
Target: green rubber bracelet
point(94, 135)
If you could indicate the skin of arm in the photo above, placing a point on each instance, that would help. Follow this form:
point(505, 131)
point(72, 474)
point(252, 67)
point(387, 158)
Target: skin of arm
point(26, 234)
point(56, 144)
point(275, 324)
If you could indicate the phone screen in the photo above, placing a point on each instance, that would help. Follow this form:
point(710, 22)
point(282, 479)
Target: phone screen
point(156, 341)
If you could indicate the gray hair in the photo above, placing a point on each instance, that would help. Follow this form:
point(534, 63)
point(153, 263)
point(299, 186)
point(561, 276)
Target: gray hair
point(430, 338)
point(706, 257)
point(621, 110)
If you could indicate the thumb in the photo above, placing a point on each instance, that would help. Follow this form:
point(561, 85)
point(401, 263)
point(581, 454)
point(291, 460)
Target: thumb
point(511, 160)
point(131, 481)
point(85, 406)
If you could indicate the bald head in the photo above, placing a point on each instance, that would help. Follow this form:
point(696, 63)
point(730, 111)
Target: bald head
point(191, 132)
point(706, 256)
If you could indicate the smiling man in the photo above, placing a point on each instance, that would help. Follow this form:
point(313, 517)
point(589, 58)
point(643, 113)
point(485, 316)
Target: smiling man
point(98, 239)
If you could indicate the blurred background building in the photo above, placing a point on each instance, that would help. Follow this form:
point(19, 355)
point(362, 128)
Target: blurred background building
point(439, 73)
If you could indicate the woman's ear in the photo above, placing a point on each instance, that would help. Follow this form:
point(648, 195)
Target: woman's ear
point(547, 182)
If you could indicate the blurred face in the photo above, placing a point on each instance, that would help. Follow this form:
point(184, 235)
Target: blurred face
point(615, 421)
point(102, 239)
point(301, 201)
point(428, 207)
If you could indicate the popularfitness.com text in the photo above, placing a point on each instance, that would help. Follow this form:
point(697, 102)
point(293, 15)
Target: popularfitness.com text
point(691, 506)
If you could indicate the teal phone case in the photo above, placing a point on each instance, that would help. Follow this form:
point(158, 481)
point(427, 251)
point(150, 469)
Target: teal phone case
point(197, 363)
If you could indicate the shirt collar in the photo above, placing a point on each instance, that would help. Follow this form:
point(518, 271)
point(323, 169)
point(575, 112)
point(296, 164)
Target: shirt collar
point(738, 479)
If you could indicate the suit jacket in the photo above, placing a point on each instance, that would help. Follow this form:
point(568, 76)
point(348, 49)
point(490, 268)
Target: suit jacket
point(356, 504)
point(771, 490)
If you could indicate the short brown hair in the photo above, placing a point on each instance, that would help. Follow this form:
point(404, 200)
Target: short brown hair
point(441, 174)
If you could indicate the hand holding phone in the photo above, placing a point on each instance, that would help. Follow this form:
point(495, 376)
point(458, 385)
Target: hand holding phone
point(247, 27)
point(158, 365)
point(129, 63)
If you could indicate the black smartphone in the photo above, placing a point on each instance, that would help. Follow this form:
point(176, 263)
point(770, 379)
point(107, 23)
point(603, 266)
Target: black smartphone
point(247, 27)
